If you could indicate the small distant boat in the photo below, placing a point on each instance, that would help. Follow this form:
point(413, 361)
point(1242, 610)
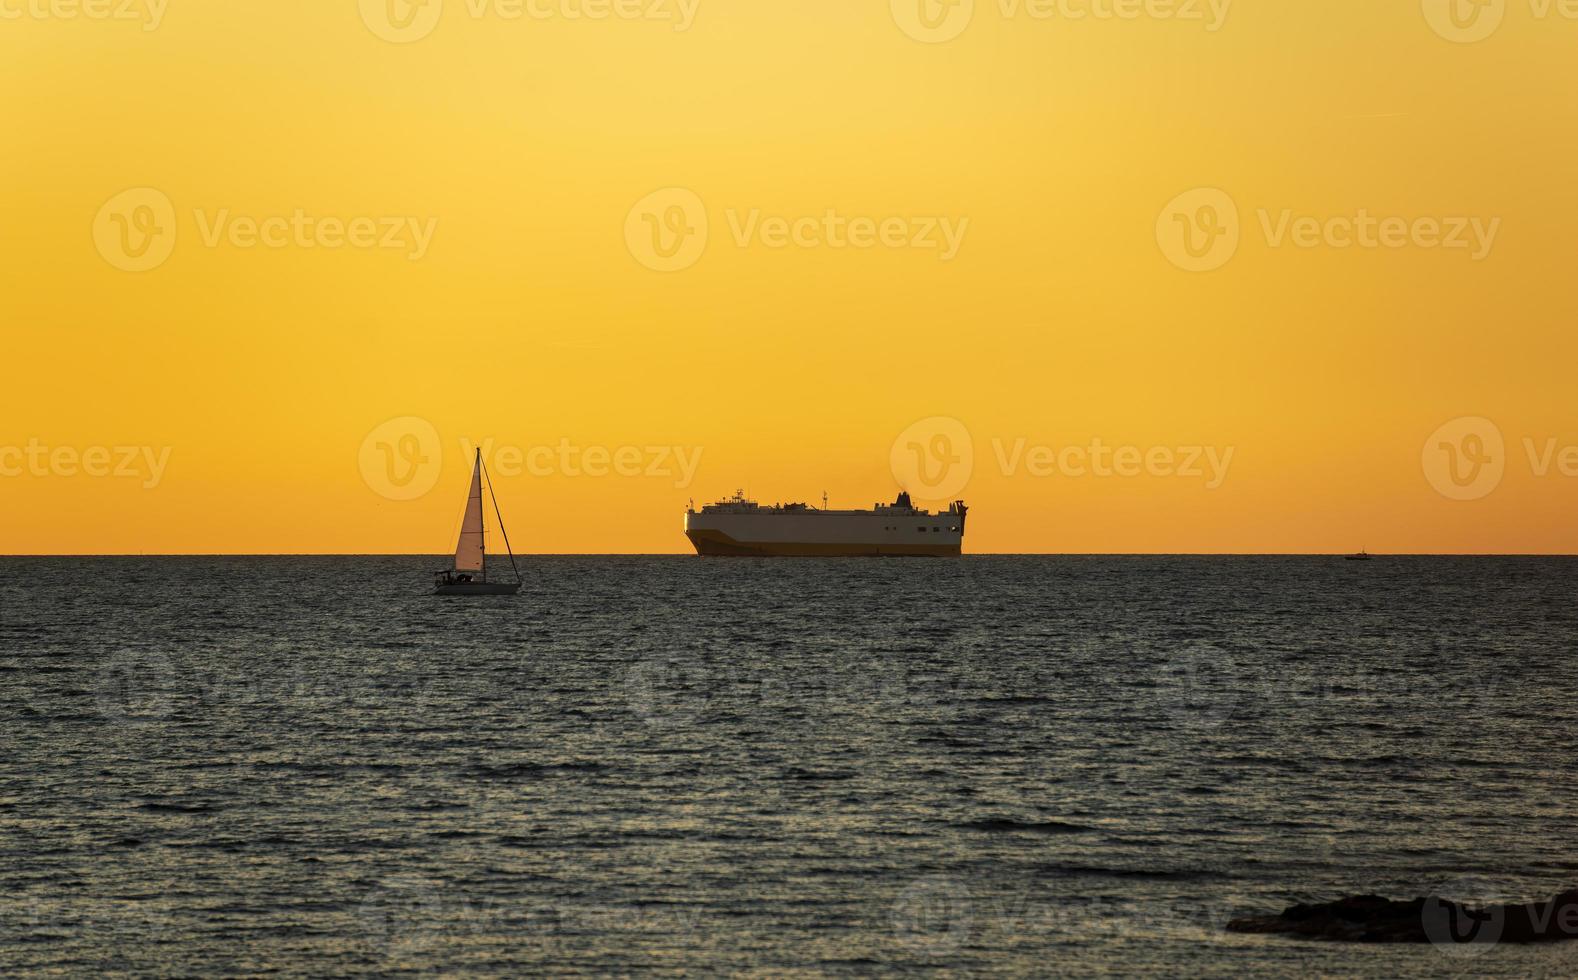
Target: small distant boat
point(470, 574)
point(1361, 556)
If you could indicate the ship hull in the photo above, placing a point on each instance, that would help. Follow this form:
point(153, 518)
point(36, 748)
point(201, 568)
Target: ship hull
point(717, 544)
point(801, 532)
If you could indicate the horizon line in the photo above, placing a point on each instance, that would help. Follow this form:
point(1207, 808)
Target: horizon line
point(689, 554)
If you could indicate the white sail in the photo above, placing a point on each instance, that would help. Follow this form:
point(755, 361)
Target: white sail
point(468, 554)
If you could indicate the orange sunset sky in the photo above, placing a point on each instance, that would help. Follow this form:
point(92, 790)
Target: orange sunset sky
point(267, 271)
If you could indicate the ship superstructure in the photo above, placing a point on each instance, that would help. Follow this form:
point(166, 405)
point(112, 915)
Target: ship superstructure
point(739, 526)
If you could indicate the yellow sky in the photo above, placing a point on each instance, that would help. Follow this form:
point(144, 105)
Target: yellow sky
point(785, 244)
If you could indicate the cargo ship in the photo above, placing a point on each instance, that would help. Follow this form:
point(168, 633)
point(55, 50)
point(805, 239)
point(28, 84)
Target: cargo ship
point(741, 527)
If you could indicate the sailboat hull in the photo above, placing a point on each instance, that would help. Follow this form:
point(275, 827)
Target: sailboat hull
point(478, 588)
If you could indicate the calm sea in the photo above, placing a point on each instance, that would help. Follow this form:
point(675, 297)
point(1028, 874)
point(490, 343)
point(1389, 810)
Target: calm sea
point(655, 765)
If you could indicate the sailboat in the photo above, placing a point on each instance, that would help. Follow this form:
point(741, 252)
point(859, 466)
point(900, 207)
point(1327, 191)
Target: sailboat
point(470, 574)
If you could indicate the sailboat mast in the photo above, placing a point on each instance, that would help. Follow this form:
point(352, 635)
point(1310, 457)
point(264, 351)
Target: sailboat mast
point(502, 529)
point(483, 513)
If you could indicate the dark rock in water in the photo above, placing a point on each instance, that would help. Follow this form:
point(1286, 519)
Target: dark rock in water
point(1373, 919)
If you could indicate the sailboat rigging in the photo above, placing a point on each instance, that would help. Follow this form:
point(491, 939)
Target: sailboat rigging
point(470, 574)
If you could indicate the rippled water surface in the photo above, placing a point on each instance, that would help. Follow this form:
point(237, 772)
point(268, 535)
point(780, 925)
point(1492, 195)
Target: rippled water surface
point(994, 765)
